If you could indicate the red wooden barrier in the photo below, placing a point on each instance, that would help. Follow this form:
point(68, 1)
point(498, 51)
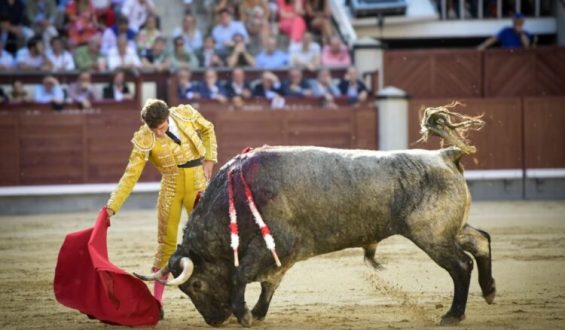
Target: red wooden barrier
point(93, 147)
point(544, 132)
point(434, 73)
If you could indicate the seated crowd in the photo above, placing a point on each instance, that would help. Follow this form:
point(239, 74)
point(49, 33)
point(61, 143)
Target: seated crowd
point(238, 89)
point(100, 36)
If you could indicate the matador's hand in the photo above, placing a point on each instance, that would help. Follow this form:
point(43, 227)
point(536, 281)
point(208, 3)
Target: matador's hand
point(208, 166)
point(110, 212)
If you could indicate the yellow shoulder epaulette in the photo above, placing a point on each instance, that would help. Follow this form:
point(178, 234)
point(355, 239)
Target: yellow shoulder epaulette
point(144, 139)
point(184, 112)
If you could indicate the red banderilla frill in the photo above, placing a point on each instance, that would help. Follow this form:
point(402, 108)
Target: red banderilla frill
point(265, 232)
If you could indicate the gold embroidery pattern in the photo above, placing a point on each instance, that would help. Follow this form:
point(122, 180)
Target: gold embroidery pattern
point(166, 197)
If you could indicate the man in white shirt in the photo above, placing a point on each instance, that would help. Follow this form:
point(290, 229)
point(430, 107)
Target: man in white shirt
point(305, 55)
point(225, 32)
point(50, 92)
point(33, 57)
point(123, 56)
point(61, 60)
point(137, 11)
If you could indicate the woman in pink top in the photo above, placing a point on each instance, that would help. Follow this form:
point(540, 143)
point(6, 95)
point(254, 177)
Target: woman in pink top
point(291, 21)
point(335, 53)
point(83, 24)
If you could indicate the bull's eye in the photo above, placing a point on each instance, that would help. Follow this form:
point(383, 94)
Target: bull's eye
point(196, 285)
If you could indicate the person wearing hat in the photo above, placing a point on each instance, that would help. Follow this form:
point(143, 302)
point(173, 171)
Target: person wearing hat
point(181, 144)
point(510, 37)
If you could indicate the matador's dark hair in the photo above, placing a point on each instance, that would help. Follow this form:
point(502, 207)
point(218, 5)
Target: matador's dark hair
point(154, 112)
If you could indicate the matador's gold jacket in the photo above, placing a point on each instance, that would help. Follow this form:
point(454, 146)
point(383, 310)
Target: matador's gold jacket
point(197, 141)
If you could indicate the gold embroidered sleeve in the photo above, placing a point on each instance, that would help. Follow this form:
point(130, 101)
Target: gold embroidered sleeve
point(188, 113)
point(208, 137)
point(136, 163)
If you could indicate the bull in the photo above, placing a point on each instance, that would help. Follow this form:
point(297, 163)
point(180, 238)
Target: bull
point(320, 200)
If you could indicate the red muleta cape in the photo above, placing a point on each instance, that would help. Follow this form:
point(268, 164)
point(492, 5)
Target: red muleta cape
point(86, 280)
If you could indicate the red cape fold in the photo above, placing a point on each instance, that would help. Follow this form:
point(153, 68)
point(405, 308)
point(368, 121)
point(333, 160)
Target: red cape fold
point(86, 280)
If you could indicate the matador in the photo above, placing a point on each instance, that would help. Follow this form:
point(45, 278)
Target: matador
point(181, 144)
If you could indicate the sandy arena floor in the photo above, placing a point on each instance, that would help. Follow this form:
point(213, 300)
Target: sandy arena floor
point(335, 291)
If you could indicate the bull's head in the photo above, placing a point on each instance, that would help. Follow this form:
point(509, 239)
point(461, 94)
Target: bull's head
point(206, 284)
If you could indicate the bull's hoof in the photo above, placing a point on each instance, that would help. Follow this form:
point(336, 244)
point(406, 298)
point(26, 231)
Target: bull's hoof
point(161, 314)
point(258, 313)
point(489, 297)
point(246, 320)
point(448, 319)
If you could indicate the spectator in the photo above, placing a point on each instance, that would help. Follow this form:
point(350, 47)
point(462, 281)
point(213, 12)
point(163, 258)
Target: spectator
point(123, 56)
point(81, 91)
point(255, 17)
point(186, 89)
point(7, 61)
point(150, 31)
point(271, 57)
point(270, 87)
point(229, 5)
point(117, 90)
point(105, 14)
point(510, 37)
point(224, 32)
point(12, 29)
point(211, 89)
point(156, 58)
point(41, 14)
point(296, 86)
point(240, 56)
point(110, 36)
point(181, 58)
point(325, 88)
point(3, 97)
point(208, 56)
point(189, 32)
point(335, 54)
point(19, 94)
point(50, 92)
point(83, 23)
point(89, 57)
point(353, 87)
point(291, 21)
point(14, 11)
point(7, 36)
point(137, 11)
point(318, 17)
point(237, 87)
point(61, 60)
point(305, 55)
point(33, 57)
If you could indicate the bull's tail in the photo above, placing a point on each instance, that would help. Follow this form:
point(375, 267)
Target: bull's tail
point(438, 121)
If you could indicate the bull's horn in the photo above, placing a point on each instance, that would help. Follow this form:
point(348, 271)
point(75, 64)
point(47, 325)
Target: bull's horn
point(155, 276)
point(187, 267)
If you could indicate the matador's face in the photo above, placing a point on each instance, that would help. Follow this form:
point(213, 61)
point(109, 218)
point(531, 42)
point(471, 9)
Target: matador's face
point(161, 129)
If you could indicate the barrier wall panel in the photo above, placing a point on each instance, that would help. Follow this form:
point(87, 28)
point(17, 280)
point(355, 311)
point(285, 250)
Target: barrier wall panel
point(509, 73)
point(76, 147)
point(9, 149)
point(499, 143)
point(366, 134)
point(410, 71)
point(435, 73)
point(544, 131)
point(550, 71)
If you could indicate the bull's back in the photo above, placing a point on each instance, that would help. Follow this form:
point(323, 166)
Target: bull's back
point(348, 197)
